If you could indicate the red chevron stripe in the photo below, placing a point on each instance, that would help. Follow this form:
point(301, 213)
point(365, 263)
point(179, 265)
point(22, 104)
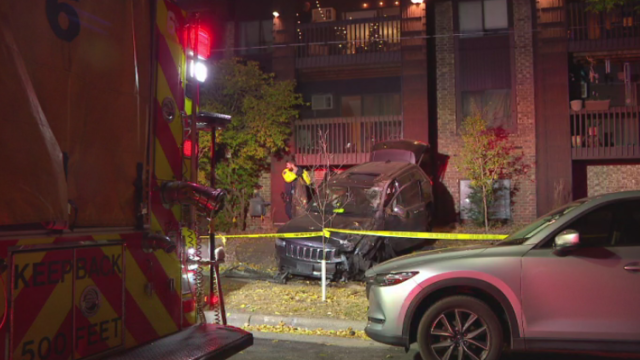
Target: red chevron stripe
point(171, 300)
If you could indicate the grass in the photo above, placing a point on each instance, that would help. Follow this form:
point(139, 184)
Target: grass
point(297, 298)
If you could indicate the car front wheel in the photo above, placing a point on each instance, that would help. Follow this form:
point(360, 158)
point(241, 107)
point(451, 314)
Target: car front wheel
point(460, 328)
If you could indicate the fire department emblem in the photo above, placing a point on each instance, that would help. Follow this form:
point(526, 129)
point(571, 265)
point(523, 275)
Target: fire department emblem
point(90, 301)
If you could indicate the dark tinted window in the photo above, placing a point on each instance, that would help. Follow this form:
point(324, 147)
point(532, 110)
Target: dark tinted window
point(628, 229)
point(616, 224)
point(596, 228)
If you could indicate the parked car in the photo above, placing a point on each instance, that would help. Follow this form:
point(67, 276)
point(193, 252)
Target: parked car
point(570, 281)
point(389, 193)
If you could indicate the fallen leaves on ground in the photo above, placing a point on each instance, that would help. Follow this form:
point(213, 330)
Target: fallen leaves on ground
point(344, 301)
point(286, 329)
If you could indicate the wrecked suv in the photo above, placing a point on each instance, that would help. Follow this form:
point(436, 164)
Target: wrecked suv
point(391, 192)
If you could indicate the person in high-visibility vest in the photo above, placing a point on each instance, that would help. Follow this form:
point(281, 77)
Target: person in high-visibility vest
point(290, 174)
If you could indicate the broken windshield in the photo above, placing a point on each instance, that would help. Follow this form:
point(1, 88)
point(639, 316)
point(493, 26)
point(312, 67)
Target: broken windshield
point(349, 200)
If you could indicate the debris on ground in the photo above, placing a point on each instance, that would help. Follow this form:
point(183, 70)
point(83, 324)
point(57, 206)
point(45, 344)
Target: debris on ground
point(287, 329)
point(345, 301)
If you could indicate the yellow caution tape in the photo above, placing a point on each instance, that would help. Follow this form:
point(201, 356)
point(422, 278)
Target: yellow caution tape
point(401, 234)
point(420, 235)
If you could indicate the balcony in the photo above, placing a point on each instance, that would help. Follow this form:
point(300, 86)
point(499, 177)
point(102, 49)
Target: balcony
point(349, 42)
point(618, 29)
point(349, 140)
point(609, 134)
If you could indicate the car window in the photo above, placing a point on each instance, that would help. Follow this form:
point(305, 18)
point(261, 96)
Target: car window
point(596, 227)
point(627, 231)
point(391, 192)
point(410, 195)
point(615, 224)
point(404, 180)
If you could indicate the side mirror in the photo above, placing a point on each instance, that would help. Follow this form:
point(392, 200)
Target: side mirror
point(566, 241)
point(399, 211)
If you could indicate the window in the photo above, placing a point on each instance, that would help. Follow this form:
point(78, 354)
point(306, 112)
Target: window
point(253, 34)
point(351, 106)
point(612, 225)
point(370, 105)
point(410, 195)
point(492, 105)
point(628, 229)
point(596, 227)
point(485, 80)
point(483, 15)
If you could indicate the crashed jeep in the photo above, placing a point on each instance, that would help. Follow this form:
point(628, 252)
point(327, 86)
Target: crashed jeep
point(391, 192)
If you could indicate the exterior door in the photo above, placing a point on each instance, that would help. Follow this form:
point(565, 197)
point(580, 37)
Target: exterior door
point(593, 292)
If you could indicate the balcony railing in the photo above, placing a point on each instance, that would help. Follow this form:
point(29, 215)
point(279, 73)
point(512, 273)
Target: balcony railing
point(349, 140)
point(609, 134)
point(349, 42)
point(588, 30)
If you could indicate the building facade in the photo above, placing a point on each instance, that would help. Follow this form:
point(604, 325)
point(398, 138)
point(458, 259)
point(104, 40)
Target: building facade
point(380, 70)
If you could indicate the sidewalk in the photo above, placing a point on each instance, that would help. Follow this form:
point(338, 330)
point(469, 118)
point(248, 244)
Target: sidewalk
point(299, 322)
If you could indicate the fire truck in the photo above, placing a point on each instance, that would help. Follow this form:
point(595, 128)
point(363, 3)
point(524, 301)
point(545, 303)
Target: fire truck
point(100, 254)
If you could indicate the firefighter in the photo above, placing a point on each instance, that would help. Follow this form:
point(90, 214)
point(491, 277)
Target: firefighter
point(290, 174)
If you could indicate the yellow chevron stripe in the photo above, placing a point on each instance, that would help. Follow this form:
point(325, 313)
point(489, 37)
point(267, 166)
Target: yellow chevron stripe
point(151, 306)
point(162, 170)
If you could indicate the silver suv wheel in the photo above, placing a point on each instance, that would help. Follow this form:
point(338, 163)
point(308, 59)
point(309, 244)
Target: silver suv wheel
point(460, 328)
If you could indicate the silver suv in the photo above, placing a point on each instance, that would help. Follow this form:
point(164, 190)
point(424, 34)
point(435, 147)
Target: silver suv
point(569, 281)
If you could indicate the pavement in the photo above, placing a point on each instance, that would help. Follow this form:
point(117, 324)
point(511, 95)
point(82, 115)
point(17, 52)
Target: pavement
point(270, 346)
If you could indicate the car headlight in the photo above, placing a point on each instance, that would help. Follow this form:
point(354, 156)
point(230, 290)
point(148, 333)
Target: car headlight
point(394, 278)
point(280, 242)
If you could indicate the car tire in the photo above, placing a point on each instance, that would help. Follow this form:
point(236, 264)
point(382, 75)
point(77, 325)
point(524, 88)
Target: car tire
point(440, 338)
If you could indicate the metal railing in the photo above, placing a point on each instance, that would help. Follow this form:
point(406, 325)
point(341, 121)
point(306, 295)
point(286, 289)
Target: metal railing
point(349, 140)
point(349, 42)
point(588, 30)
point(606, 134)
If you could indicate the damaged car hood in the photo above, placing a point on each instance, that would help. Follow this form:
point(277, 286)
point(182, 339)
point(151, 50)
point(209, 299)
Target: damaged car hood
point(312, 222)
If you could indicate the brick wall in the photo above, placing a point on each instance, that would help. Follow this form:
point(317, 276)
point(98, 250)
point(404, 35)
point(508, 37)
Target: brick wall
point(449, 143)
point(603, 179)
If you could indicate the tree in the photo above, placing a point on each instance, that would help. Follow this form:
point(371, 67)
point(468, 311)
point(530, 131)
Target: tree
point(262, 111)
point(487, 155)
point(608, 5)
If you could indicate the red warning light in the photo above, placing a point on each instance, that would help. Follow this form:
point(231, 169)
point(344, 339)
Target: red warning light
point(203, 41)
point(186, 148)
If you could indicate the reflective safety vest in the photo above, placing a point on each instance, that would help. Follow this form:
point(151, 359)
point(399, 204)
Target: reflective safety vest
point(289, 176)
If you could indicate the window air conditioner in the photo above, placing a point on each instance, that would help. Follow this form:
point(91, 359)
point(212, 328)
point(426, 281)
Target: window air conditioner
point(322, 102)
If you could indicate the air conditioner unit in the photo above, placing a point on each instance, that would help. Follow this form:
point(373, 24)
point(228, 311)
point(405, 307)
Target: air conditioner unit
point(324, 14)
point(322, 102)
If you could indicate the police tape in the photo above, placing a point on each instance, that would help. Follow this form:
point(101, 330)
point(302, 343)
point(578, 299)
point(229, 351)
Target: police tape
point(399, 234)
